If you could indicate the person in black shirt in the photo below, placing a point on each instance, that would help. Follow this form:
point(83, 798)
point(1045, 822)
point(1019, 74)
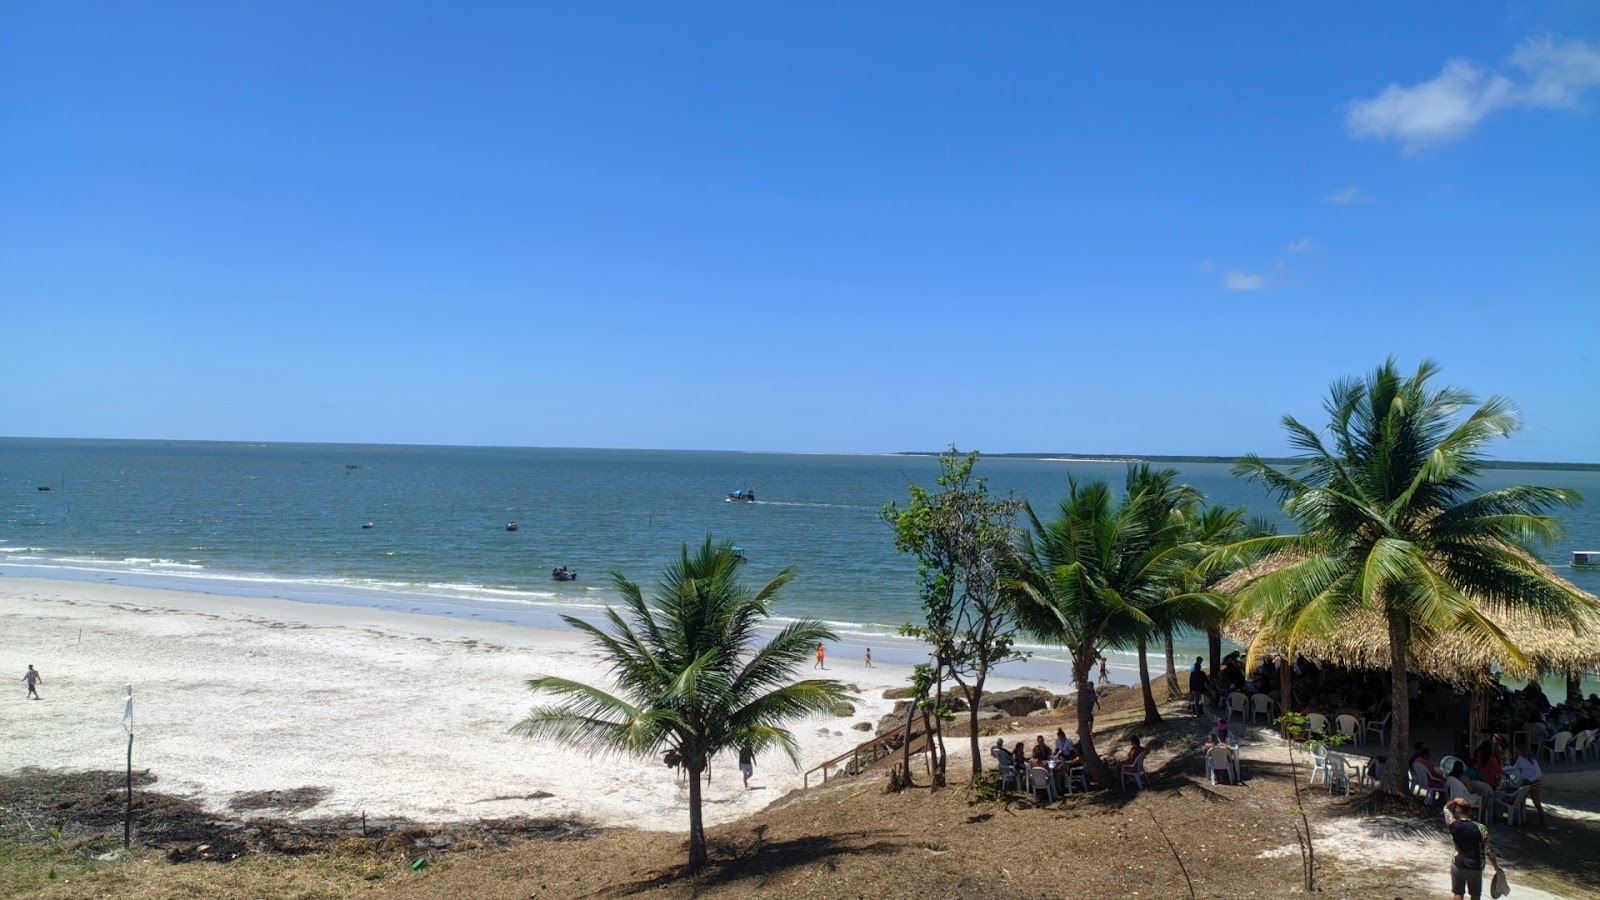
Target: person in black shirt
point(1471, 840)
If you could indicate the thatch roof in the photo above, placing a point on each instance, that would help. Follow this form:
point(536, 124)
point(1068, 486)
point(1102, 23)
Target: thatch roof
point(1362, 641)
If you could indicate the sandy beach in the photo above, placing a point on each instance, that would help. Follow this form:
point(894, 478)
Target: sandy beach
point(391, 714)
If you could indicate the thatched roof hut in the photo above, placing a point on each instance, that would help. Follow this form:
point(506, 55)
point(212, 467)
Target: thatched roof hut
point(1362, 641)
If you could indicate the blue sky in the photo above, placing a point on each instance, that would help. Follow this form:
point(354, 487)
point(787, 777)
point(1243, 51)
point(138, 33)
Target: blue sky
point(1144, 228)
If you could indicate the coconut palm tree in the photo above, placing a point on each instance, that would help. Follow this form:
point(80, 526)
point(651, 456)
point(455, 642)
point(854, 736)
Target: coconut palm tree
point(1391, 521)
point(1176, 502)
point(688, 675)
point(1085, 580)
point(1210, 527)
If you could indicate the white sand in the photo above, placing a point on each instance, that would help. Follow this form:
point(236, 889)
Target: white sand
point(396, 715)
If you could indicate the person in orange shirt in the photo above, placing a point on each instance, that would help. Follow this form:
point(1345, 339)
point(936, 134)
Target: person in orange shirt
point(822, 655)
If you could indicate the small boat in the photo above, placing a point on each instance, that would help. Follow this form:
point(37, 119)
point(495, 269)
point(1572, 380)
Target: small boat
point(511, 526)
point(738, 555)
point(1586, 558)
point(44, 487)
point(744, 496)
point(562, 573)
point(366, 524)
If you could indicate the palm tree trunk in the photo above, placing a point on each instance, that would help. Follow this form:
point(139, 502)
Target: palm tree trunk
point(1082, 659)
point(1214, 649)
point(1396, 775)
point(1174, 690)
point(1152, 714)
point(697, 834)
point(1574, 687)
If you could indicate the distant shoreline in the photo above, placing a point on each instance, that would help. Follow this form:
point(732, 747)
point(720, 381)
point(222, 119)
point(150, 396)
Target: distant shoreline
point(1271, 460)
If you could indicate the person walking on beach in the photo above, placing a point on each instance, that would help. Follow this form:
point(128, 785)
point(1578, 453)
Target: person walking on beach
point(33, 679)
point(1197, 686)
point(822, 655)
point(1104, 678)
point(1471, 840)
point(869, 657)
point(747, 763)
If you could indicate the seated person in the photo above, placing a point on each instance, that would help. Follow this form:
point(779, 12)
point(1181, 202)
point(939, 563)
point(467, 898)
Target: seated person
point(1221, 758)
point(1001, 753)
point(1219, 732)
point(1065, 748)
point(1041, 751)
point(1135, 750)
point(1456, 785)
point(1425, 756)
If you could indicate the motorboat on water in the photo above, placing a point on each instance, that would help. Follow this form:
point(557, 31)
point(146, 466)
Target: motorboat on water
point(744, 496)
point(366, 524)
point(562, 573)
point(511, 526)
point(738, 555)
point(1586, 558)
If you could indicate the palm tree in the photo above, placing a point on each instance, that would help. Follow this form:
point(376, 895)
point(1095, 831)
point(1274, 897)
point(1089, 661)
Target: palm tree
point(1209, 527)
point(1171, 502)
point(689, 677)
point(1391, 521)
point(1085, 579)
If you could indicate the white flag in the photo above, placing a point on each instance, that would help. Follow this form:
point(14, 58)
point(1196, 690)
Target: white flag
point(127, 713)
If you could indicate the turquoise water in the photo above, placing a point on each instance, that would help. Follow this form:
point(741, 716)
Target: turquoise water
point(285, 520)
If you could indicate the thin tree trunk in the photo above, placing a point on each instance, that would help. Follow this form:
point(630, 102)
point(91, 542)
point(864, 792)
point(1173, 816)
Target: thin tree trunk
point(905, 744)
point(1396, 775)
point(1082, 659)
point(973, 694)
point(1174, 690)
point(1214, 648)
point(1574, 687)
point(697, 834)
point(1285, 693)
point(1152, 713)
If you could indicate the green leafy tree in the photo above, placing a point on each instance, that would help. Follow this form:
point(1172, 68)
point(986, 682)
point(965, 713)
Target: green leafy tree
point(689, 677)
point(1391, 520)
point(1086, 579)
point(962, 539)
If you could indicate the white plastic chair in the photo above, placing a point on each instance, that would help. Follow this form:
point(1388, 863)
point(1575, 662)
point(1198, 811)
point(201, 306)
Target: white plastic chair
point(1423, 781)
point(1380, 727)
point(1338, 775)
point(1319, 763)
point(1219, 759)
point(1516, 805)
point(1579, 748)
point(1135, 770)
point(1238, 703)
point(1446, 763)
point(1317, 723)
point(1557, 746)
point(1076, 775)
point(1350, 726)
point(1264, 707)
point(1458, 789)
point(1008, 771)
point(1039, 780)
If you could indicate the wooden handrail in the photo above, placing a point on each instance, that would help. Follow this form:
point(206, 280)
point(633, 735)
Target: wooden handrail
point(872, 746)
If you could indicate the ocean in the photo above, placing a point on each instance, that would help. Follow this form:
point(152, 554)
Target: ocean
point(286, 520)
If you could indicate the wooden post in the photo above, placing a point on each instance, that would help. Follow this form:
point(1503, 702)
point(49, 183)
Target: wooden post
point(127, 820)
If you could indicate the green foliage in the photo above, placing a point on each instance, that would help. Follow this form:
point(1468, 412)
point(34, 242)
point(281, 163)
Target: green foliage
point(962, 539)
point(1391, 520)
point(689, 677)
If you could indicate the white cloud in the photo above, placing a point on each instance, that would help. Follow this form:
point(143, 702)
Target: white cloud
point(1450, 106)
point(1301, 246)
point(1237, 280)
point(1347, 197)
